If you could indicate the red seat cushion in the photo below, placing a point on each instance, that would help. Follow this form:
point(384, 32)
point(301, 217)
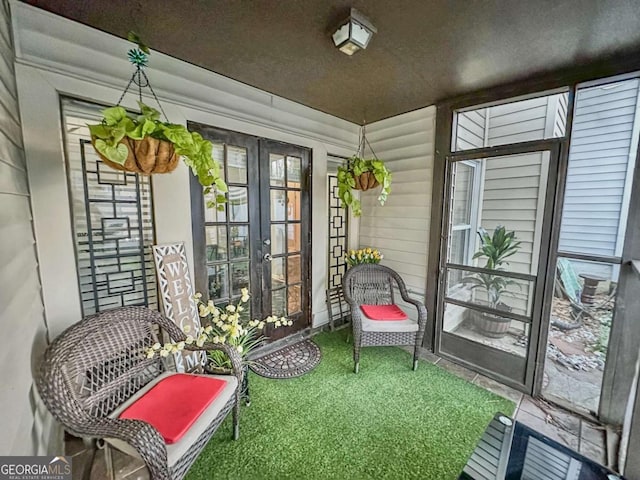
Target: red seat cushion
point(175, 403)
point(383, 312)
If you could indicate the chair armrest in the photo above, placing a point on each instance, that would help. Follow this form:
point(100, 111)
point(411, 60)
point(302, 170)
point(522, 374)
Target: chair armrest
point(140, 435)
point(422, 311)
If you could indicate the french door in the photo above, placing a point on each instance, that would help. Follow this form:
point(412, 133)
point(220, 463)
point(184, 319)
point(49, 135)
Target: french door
point(261, 240)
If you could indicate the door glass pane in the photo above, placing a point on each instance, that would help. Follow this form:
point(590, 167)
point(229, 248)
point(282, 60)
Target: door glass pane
point(278, 205)
point(511, 195)
point(294, 166)
point(276, 175)
point(487, 329)
point(239, 277)
point(491, 289)
point(278, 278)
point(237, 164)
point(216, 243)
point(293, 268)
point(239, 241)
point(218, 154)
point(278, 299)
point(293, 204)
point(512, 121)
point(294, 303)
point(238, 204)
point(211, 215)
point(277, 239)
point(218, 281)
point(602, 156)
point(293, 237)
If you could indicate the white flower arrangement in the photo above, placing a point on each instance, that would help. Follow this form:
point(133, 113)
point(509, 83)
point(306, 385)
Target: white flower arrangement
point(226, 326)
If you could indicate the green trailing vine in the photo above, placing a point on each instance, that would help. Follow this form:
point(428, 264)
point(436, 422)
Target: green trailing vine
point(354, 167)
point(117, 124)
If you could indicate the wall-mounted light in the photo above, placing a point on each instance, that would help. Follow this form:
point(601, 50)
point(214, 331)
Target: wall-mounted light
point(354, 33)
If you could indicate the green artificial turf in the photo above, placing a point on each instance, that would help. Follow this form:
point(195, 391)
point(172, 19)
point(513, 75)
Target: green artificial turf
point(385, 422)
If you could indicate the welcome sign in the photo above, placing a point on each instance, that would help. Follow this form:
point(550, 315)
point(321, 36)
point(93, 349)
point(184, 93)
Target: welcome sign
point(177, 297)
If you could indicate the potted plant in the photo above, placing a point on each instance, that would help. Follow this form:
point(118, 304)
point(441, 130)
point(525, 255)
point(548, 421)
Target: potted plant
point(496, 248)
point(229, 325)
point(363, 255)
point(144, 144)
point(360, 174)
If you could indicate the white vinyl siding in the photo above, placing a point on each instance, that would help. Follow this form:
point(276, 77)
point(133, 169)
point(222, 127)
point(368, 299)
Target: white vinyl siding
point(22, 325)
point(602, 151)
point(400, 229)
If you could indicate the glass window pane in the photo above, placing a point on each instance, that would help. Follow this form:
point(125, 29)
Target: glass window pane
point(293, 237)
point(602, 157)
point(294, 204)
point(218, 281)
point(211, 215)
point(278, 278)
point(294, 172)
point(239, 241)
point(278, 300)
point(491, 289)
point(239, 277)
point(237, 164)
point(512, 121)
point(493, 331)
point(277, 239)
point(294, 304)
point(216, 238)
point(293, 269)
point(278, 205)
point(458, 246)
point(462, 193)
point(276, 171)
point(238, 204)
point(218, 155)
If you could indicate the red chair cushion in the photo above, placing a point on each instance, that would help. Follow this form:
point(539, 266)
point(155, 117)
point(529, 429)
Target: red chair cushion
point(383, 312)
point(175, 403)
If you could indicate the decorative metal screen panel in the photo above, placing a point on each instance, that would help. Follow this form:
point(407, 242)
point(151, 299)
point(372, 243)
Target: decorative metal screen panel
point(112, 221)
point(338, 236)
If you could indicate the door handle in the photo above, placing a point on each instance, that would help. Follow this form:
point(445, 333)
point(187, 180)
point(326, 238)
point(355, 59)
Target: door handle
point(267, 257)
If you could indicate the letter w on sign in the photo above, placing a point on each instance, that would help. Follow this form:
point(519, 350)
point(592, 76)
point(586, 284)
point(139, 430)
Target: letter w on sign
point(177, 297)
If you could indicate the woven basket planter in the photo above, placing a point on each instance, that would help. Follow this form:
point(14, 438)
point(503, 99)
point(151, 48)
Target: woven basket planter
point(147, 156)
point(366, 181)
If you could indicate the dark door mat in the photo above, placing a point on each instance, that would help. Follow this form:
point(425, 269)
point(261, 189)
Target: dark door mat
point(288, 362)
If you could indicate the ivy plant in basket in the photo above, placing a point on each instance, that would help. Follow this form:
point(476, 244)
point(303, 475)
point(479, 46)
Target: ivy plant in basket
point(144, 144)
point(360, 174)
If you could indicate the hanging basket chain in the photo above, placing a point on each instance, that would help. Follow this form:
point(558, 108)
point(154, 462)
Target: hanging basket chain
point(139, 59)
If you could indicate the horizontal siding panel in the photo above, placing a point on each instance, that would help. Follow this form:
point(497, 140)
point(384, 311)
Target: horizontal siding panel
point(13, 180)
point(522, 116)
point(418, 224)
point(511, 194)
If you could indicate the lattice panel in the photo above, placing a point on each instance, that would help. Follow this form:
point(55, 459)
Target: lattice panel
point(338, 236)
point(113, 222)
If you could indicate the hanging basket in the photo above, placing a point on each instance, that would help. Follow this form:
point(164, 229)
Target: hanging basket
point(146, 156)
point(365, 181)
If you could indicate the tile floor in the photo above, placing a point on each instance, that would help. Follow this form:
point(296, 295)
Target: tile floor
point(575, 432)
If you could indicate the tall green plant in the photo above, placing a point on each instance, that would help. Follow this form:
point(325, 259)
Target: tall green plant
point(354, 167)
point(496, 248)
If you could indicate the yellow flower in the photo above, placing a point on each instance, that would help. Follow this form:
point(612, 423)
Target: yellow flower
point(180, 345)
point(164, 353)
point(150, 353)
point(189, 340)
point(186, 328)
point(231, 308)
point(208, 329)
point(245, 295)
point(156, 346)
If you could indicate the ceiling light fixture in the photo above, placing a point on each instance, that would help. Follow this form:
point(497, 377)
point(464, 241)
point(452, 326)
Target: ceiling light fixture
point(354, 33)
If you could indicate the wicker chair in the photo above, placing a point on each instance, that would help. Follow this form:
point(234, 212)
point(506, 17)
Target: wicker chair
point(97, 367)
point(372, 284)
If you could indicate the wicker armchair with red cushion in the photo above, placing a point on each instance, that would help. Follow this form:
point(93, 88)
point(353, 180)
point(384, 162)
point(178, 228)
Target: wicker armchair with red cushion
point(97, 381)
point(376, 319)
